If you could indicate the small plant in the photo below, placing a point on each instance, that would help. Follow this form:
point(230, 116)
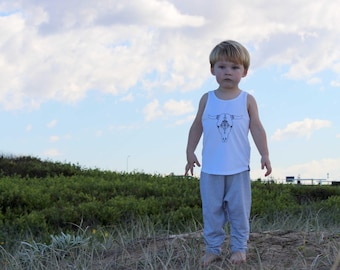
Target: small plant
point(33, 253)
point(68, 241)
point(63, 247)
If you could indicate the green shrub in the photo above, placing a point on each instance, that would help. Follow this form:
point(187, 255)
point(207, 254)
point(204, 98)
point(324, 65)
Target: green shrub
point(306, 194)
point(59, 200)
point(268, 198)
point(34, 167)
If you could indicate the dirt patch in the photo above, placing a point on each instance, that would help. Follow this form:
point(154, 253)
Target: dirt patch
point(292, 250)
point(267, 250)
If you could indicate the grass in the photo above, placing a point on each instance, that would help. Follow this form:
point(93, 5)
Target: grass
point(41, 196)
point(287, 243)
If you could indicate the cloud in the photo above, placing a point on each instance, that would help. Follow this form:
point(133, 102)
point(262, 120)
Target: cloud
point(52, 152)
point(335, 83)
point(85, 13)
point(124, 127)
point(59, 50)
point(188, 119)
point(154, 110)
point(314, 80)
point(303, 128)
point(52, 124)
point(130, 97)
point(99, 133)
point(151, 12)
point(316, 169)
point(54, 138)
point(28, 128)
point(78, 46)
point(180, 107)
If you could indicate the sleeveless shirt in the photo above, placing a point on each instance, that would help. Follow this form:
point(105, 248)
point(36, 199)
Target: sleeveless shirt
point(226, 148)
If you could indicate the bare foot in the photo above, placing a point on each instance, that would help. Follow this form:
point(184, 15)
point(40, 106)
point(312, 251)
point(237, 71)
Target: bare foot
point(238, 257)
point(208, 258)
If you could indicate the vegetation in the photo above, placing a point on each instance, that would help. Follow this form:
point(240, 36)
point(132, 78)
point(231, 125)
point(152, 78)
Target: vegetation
point(54, 215)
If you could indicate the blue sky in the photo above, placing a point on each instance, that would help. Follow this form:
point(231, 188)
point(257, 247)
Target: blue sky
point(115, 85)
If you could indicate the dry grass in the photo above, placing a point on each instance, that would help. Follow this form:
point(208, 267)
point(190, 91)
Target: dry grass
point(142, 247)
point(267, 250)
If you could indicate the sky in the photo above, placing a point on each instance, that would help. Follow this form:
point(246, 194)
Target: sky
point(115, 85)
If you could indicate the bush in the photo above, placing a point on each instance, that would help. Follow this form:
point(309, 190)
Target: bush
point(54, 203)
point(27, 166)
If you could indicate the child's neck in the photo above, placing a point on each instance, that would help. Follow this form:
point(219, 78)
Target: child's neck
point(226, 94)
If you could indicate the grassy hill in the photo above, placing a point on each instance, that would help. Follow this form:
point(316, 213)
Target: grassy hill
point(58, 207)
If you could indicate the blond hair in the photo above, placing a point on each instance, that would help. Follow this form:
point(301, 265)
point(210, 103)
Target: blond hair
point(230, 50)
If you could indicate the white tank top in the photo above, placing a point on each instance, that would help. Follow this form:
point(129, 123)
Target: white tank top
point(226, 148)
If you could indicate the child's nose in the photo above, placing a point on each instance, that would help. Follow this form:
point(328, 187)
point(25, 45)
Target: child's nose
point(228, 70)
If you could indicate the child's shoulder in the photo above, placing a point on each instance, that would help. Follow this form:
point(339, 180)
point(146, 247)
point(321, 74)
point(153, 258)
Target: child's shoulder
point(204, 98)
point(203, 101)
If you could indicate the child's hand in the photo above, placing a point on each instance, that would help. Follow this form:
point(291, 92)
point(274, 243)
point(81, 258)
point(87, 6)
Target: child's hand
point(265, 163)
point(192, 160)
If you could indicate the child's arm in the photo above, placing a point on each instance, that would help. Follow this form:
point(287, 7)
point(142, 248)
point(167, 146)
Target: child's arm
point(195, 134)
point(259, 135)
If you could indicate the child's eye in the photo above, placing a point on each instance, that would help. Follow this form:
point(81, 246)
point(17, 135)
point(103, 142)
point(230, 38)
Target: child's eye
point(236, 67)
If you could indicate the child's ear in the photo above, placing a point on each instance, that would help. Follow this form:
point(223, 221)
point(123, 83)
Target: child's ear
point(212, 71)
point(245, 72)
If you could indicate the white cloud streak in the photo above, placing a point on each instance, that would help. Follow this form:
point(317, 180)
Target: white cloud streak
point(315, 169)
point(54, 138)
point(52, 123)
point(154, 110)
point(303, 128)
point(28, 128)
point(181, 107)
point(52, 152)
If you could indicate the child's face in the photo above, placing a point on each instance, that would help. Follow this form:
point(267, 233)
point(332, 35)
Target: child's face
point(228, 74)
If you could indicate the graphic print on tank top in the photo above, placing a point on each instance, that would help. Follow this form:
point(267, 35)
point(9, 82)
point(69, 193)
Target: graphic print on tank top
point(224, 124)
